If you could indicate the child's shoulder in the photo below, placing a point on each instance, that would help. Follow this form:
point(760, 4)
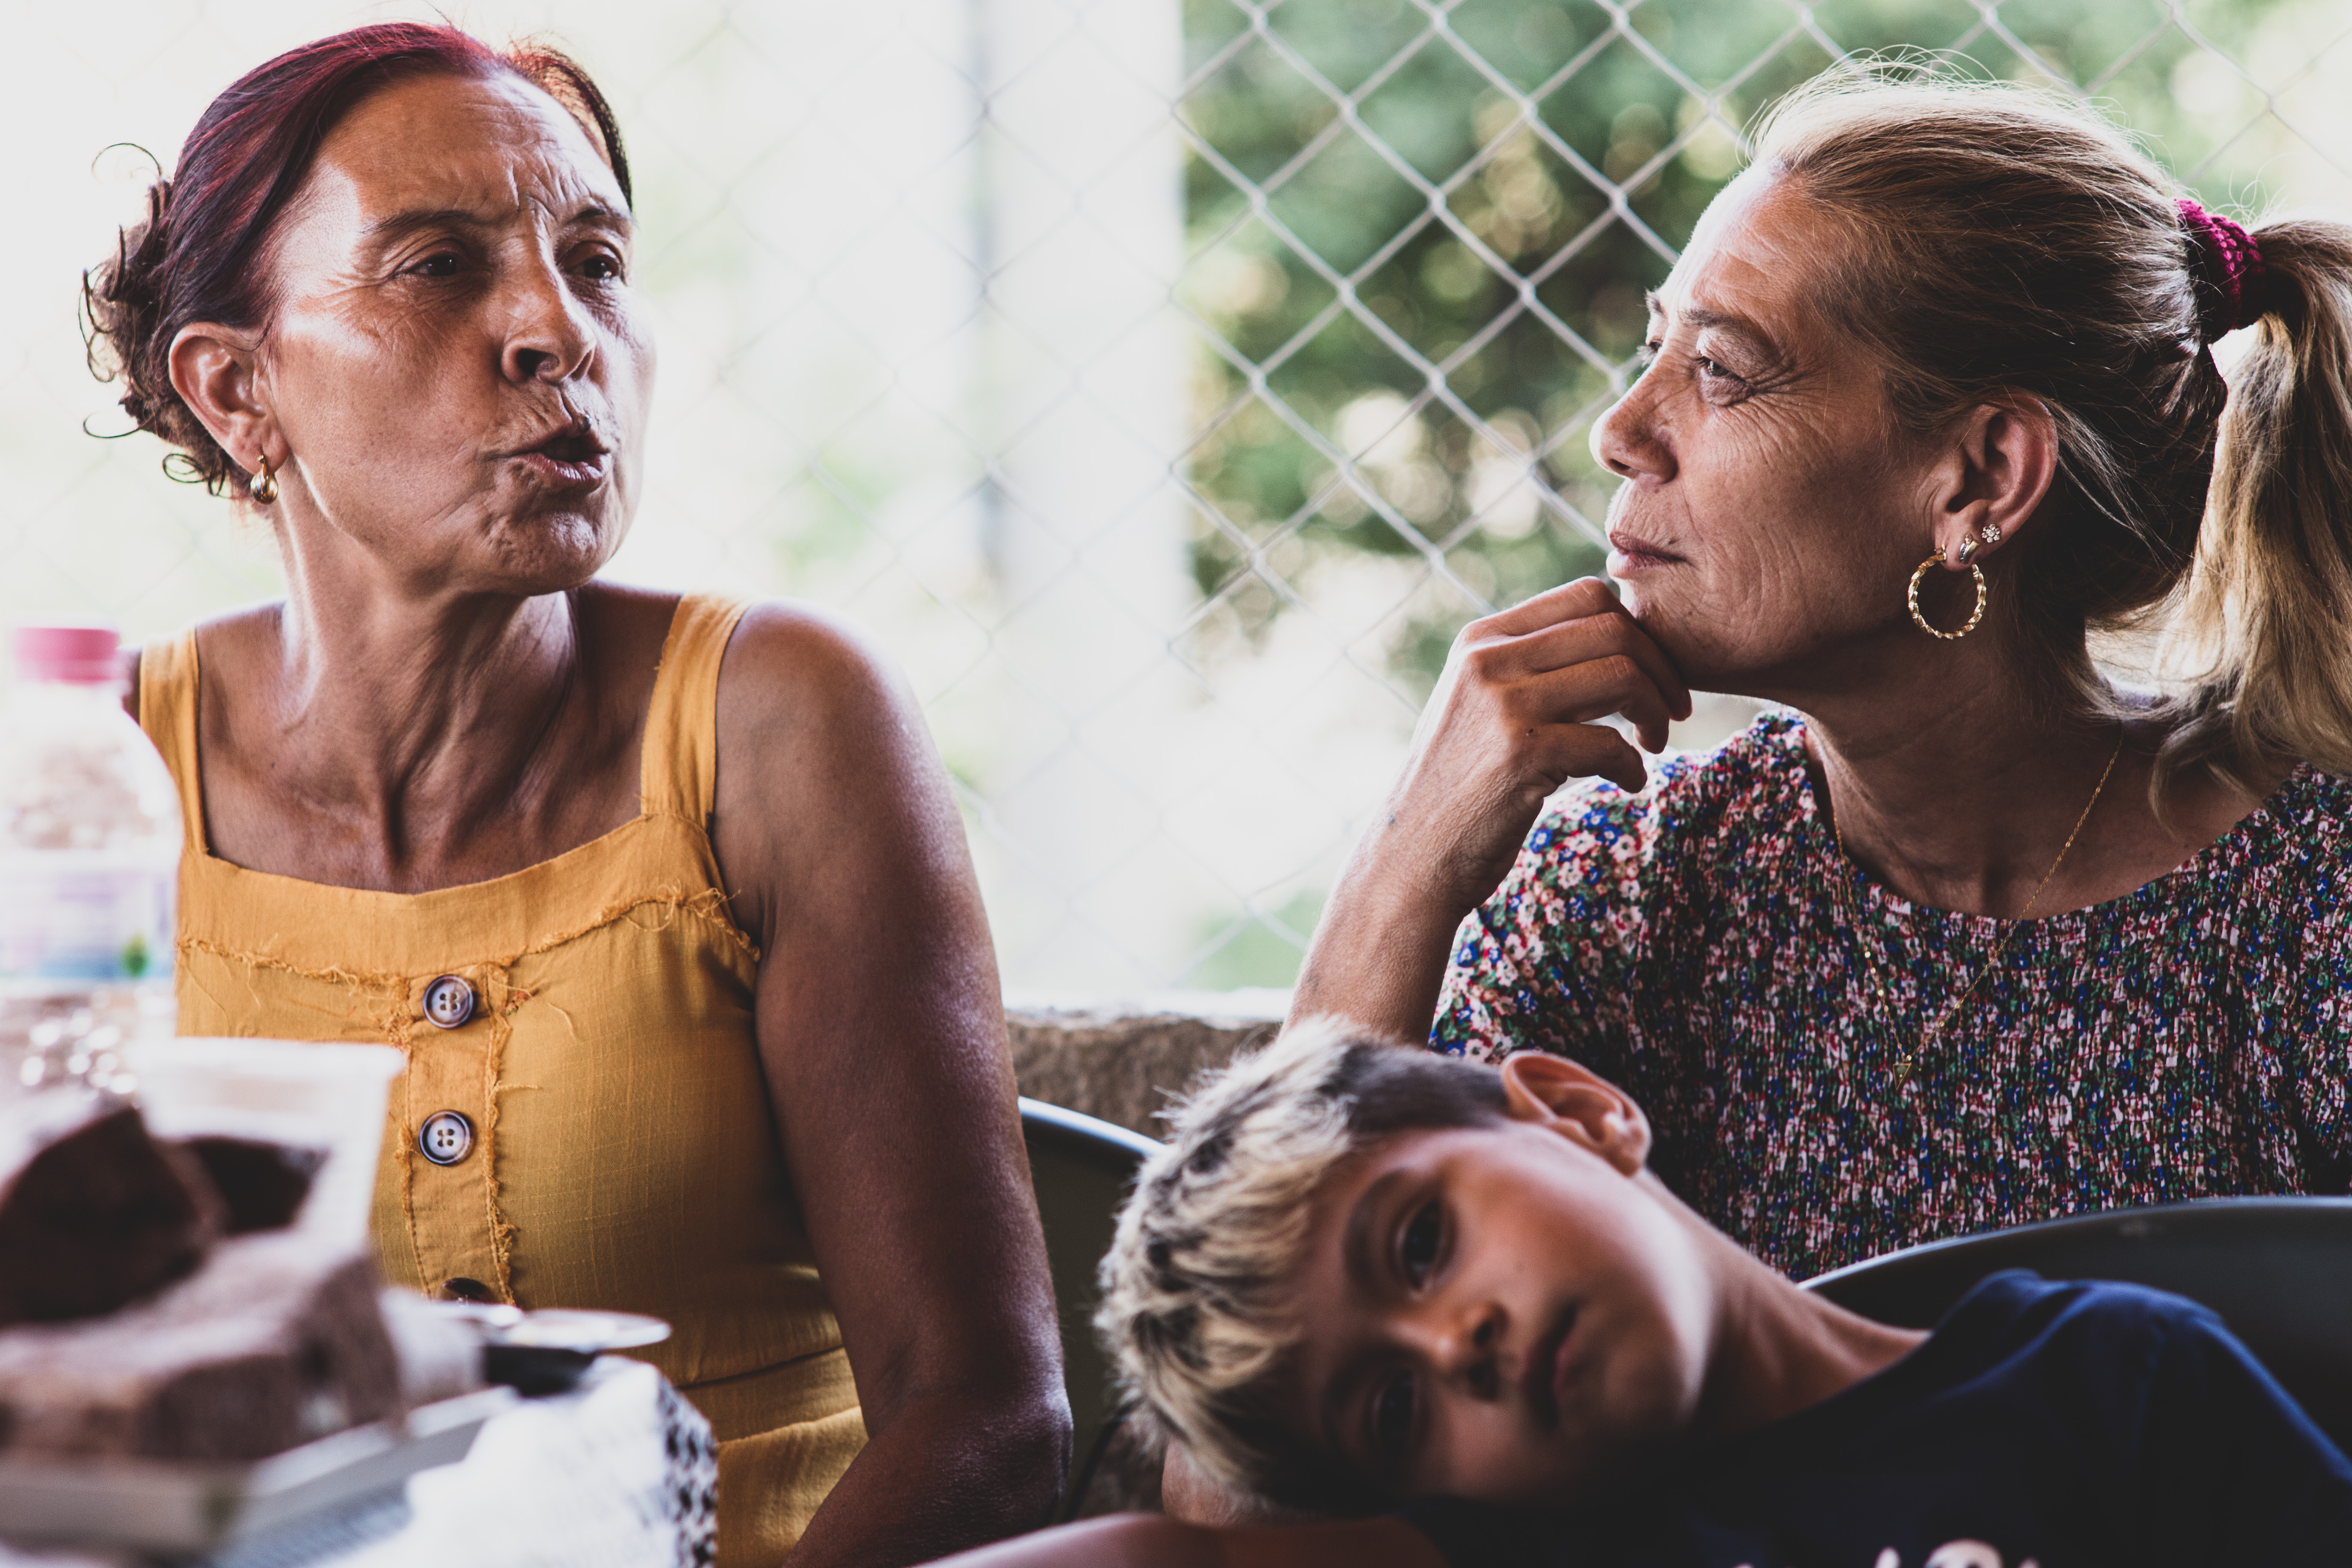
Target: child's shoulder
point(2087, 1342)
point(2021, 1304)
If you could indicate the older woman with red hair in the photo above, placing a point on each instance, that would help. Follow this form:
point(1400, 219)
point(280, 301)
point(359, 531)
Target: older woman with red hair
point(664, 900)
point(1962, 934)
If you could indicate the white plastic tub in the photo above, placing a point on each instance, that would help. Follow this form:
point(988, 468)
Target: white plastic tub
point(330, 1097)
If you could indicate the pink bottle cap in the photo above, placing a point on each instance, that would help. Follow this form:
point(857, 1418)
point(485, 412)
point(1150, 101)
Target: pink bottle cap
point(89, 656)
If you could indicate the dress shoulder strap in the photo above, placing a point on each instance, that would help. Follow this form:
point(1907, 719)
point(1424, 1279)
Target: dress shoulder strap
point(681, 767)
point(167, 711)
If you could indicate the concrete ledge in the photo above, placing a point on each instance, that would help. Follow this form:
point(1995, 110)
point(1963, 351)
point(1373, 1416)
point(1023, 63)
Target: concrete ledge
point(1122, 1060)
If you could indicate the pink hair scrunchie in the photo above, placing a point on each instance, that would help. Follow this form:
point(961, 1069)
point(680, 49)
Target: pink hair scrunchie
point(2226, 266)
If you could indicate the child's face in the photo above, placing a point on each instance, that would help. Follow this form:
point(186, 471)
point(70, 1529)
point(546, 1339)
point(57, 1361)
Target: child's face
point(1500, 1314)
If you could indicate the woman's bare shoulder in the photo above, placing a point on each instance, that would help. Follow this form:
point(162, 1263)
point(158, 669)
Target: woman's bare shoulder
point(828, 780)
point(622, 631)
point(228, 635)
point(235, 634)
point(795, 670)
point(816, 725)
point(621, 603)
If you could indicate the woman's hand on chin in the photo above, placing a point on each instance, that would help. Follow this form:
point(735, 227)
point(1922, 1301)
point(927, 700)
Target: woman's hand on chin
point(1512, 720)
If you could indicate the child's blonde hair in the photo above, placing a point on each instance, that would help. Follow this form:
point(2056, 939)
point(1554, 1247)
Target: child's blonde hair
point(1195, 1309)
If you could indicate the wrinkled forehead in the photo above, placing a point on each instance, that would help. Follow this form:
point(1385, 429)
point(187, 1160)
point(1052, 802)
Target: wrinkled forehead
point(494, 147)
point(1759, 251)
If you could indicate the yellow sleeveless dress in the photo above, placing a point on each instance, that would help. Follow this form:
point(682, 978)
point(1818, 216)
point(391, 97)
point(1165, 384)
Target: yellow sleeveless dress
point(622, 1154)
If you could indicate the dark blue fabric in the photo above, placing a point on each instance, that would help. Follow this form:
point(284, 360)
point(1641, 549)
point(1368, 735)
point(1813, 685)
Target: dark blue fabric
point(2068, 1425)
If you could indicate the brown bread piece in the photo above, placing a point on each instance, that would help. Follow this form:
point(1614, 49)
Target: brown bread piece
point(276, 1341)
point(262, 1184)
point(94, 1213)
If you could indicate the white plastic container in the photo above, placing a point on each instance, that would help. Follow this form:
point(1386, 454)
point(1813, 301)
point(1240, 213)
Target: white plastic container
point(330, 1097)
point(89, 858)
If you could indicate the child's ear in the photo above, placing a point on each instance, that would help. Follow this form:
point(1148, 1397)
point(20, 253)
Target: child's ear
point(1580, 1105)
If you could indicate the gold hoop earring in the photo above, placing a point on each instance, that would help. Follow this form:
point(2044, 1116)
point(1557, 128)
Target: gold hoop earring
point(1977, 614)
point(262, 486)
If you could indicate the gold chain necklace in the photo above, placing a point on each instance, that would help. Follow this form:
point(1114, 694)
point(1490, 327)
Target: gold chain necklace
point(1909, 1059)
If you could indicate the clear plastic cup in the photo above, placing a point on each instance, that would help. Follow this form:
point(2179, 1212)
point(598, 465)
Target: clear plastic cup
point(330, 1097)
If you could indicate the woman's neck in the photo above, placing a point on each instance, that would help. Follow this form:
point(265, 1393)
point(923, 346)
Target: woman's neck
point(403, 685)
point(386, 734)
point(1958, 786)
point(399, 690)
point(1974, 809)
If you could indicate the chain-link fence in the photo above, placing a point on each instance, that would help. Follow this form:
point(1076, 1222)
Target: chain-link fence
point(1163, 380)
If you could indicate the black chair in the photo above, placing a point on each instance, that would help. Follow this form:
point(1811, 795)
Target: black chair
point(2278, 1271)
point(1082, 1169)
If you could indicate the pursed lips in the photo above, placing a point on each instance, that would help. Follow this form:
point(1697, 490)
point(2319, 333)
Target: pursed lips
point(573, 455)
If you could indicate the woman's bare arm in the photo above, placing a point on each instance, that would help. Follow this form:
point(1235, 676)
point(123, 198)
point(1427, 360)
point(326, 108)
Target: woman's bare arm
point(1510, 721)
point(882, 1033)
point(1148, 1541)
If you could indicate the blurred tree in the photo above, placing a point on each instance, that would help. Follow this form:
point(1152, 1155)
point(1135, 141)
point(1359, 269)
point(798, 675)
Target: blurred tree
point(1421, 234)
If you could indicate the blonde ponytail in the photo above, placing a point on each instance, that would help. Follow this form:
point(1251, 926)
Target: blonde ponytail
point(2261, 644)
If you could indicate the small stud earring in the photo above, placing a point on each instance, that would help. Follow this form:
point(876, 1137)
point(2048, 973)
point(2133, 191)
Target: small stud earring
point(1976, 542)
point(263, 486)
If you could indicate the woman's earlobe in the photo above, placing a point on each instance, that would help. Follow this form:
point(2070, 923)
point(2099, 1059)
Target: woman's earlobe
point(2005, 460)
point(1970, 547)
point(2021, 460)
point(214, 371)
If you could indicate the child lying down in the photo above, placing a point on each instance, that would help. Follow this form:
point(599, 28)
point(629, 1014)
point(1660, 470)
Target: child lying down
point(1450, 1308)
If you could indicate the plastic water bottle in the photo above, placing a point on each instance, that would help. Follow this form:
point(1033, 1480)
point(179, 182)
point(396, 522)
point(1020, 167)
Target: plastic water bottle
point(89, 864)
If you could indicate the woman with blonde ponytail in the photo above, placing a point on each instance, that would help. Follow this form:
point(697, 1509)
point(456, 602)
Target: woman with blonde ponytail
point(1967, 933)
point(2264, 640)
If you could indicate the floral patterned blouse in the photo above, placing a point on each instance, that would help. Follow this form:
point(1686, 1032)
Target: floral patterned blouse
point(1691, 943)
